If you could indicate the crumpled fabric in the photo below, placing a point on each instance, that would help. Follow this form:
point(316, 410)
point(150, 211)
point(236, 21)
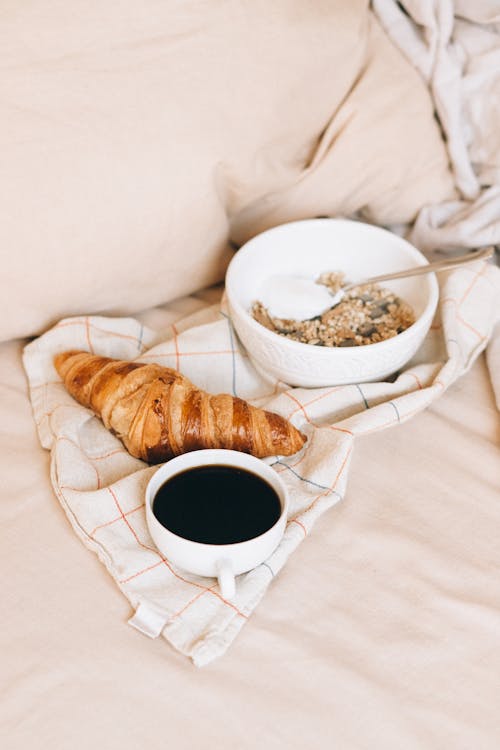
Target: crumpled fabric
point(455, 46)
point(101, 487)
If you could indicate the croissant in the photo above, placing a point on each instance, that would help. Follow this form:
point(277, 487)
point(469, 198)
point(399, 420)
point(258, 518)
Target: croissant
point(158, 413)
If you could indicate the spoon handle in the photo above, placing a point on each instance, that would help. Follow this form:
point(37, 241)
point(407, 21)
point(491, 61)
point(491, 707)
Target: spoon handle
point(439, 265)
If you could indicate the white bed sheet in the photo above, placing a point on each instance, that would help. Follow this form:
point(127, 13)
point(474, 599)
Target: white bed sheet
point(402, 652)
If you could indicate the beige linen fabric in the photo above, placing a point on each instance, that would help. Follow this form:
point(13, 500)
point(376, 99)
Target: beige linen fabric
point(380, 154)
point(455, 46)
point(380, 632)
point(132, 134)
point(101, 487)
point(456, 49)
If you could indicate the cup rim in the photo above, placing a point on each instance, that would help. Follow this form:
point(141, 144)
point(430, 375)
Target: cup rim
point(284, 499)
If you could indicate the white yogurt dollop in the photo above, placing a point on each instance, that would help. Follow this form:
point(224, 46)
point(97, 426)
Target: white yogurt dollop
point(294, 298)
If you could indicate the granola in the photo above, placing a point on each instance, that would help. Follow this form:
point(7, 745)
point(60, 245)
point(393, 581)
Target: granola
point(366, 314)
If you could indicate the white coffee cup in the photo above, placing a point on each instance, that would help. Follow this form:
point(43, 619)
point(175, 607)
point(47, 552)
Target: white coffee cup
point(221, 561)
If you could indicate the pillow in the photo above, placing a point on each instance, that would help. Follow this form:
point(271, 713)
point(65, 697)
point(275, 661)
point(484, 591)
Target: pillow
point(135, 135)
point(380, 155)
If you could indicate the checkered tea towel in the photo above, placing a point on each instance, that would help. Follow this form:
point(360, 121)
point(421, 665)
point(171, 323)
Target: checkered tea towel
point(101, 487)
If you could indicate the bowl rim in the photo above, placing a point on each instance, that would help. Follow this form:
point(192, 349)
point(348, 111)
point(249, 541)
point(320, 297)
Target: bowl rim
point(326, 351)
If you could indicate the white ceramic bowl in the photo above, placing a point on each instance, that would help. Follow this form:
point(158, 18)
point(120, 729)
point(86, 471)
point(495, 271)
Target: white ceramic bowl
point(307, 248)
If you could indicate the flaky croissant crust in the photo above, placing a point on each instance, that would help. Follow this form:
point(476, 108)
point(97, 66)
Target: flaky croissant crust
point(158, 413)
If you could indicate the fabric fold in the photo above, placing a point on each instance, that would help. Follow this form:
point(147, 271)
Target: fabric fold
point(101, 487)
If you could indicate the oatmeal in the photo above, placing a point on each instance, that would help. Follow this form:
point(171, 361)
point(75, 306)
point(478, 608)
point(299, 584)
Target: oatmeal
point(365, 315)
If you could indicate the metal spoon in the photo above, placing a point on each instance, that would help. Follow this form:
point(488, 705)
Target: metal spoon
point(438, 265)
point(301, 299)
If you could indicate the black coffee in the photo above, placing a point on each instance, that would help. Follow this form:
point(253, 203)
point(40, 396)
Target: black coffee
point(217, 504)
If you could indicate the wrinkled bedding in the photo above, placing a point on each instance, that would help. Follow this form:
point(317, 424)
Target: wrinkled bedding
point(101, 487)
point(382, 630)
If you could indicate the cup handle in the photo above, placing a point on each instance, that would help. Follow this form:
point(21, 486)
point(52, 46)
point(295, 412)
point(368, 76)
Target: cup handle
point(225, 576)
